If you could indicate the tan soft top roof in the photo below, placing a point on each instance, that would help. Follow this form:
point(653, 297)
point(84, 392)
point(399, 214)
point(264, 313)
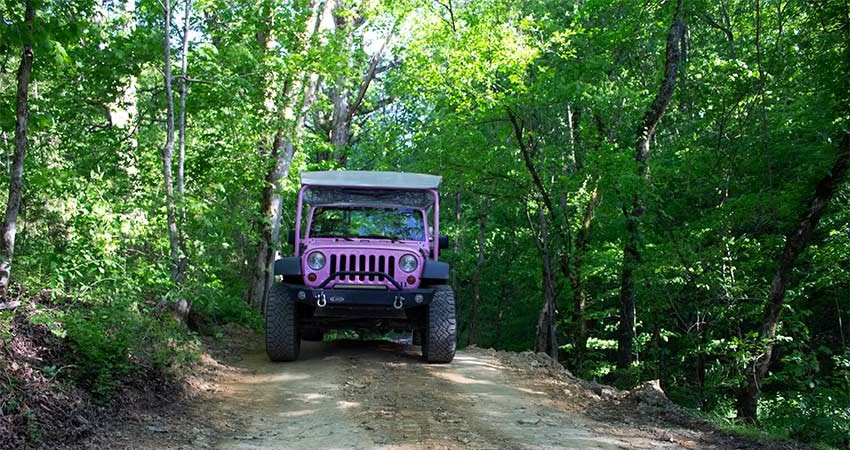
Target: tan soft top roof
point(371, 179)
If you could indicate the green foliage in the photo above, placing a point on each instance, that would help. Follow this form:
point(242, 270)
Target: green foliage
point(117, 341)
point(220, 305)
point(819, 415)
point(488, 95)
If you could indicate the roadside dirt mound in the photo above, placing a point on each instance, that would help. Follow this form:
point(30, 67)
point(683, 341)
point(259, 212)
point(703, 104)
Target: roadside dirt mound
point(42, 407)
point(34, 405)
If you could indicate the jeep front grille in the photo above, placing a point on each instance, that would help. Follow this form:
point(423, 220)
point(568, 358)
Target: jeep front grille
point(362, 263)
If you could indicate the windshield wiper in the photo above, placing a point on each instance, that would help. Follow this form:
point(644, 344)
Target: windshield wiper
point(380, 236)
point(335, 236)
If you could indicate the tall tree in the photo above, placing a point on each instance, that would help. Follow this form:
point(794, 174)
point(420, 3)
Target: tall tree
point(547, 337)
point(350, 83)
point(7, 233)
point(168, 153)
point(795, 243)
point(799, 238)
point(181, 135)
point(635, 210)
point(298, 95)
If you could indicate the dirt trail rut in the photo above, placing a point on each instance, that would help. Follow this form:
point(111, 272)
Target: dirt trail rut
point(369, 395)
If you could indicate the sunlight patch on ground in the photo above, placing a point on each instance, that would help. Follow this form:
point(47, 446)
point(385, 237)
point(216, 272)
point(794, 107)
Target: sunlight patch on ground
point(347, 405)
point(298, 413)
point(459, 379)
point(313, 397)
point(530, 391)
point(473, 361)
point(273, 378)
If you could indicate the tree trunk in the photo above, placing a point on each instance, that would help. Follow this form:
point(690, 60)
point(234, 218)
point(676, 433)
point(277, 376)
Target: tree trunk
point(283, 150)
point(299, 96)
point(457, 243)
point(547, 338)
point(7, 240)
point(340, 125)
point(181, 140)
point(580, 332)
point(476, 283)
point(795, 243)
point(168, 153)
point(345, 107)
point(635, 211)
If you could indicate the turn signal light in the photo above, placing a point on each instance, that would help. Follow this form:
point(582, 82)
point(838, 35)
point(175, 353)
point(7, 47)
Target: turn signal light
point(311, 277)
point(411, 279)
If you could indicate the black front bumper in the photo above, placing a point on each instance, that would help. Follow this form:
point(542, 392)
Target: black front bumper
point(411, 298)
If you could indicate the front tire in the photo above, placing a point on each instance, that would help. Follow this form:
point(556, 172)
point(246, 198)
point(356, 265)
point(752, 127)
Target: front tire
point(439, 339)
point(283, 342)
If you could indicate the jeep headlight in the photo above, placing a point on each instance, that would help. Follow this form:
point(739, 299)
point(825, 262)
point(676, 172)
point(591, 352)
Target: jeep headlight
point(408, 263)
point(316, 260)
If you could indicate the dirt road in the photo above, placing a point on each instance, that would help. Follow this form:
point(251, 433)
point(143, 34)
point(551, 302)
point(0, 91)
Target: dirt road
point(365, 395)
point(379, 395)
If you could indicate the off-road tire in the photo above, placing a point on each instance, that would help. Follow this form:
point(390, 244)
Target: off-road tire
point(283, 342)
point(439, 338)
point(312, 334)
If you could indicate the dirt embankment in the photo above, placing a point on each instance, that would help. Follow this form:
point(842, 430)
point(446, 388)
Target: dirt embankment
point(366, 395)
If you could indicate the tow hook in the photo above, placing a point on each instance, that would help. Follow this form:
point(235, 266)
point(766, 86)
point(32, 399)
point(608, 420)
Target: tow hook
point(321, 301)
point(399, 302)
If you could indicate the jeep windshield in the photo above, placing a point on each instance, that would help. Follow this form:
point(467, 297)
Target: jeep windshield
point(368, 222)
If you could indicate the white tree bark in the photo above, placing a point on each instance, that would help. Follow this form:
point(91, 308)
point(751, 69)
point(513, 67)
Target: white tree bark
point(168, 151)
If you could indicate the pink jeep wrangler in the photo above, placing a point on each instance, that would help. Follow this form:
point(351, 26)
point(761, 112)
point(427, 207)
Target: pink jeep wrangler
point(366, 258)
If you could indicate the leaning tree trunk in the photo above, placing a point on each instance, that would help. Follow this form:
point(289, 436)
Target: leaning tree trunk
point(547, 338)
point(795, 243)
point(635, 211)
point(283, 150)
point(7, 234)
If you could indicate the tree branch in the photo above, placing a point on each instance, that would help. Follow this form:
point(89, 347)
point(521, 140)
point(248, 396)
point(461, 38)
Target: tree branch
point(529, 164)
point(370, 74)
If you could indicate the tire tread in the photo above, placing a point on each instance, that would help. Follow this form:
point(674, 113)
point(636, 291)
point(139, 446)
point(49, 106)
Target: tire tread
point(283, 342)
point(439, 339)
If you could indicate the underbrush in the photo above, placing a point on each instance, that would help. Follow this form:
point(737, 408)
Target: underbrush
point(793, 416)
point(66, 364)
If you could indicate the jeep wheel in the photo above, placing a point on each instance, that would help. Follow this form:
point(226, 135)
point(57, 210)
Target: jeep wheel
point(282, 340)
point(440, 334)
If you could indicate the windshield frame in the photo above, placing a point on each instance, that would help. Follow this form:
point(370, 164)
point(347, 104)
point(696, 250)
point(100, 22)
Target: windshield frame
point(315, 209)
point(430, 210)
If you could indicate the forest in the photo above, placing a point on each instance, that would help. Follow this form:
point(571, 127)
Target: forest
point(642, 189)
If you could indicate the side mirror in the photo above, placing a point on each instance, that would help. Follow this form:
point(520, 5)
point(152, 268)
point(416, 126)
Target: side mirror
point(291, 237)
point(444, 242)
